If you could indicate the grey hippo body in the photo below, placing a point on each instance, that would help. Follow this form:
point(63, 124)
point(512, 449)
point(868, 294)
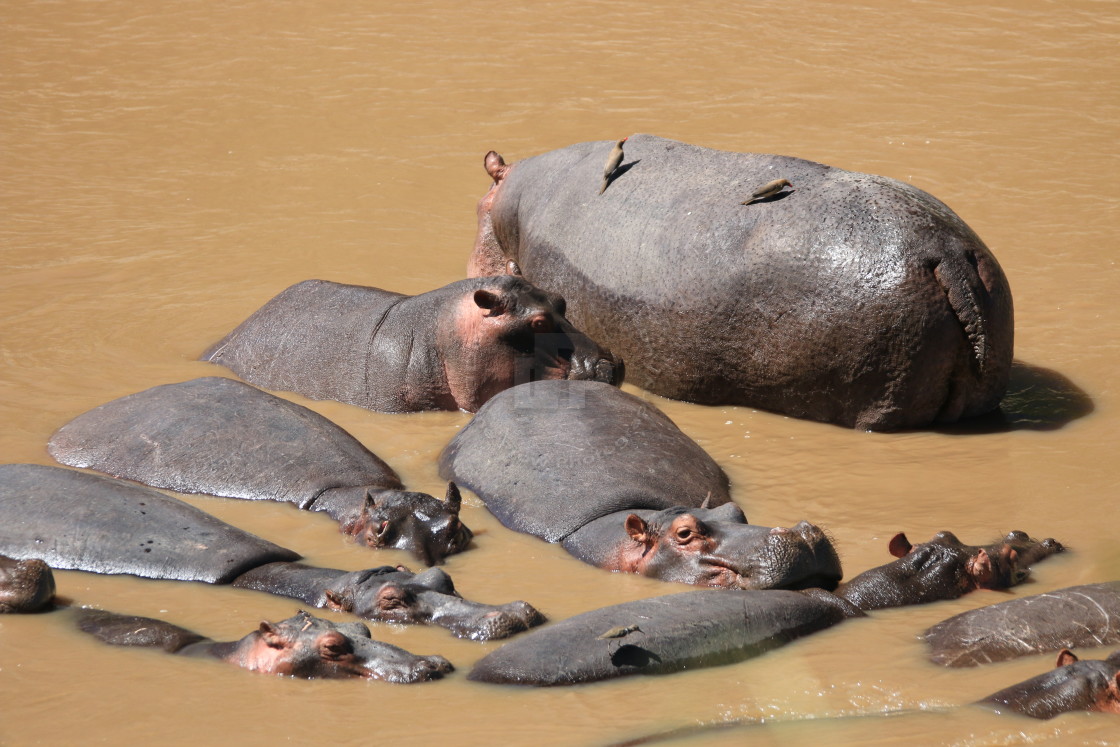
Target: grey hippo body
point(225, 438)
point(302, 646)
point(853, 299)
point(80, 521)
point(449, 349)
point(615, 482)
point(1073, 685)
point(1073, 617)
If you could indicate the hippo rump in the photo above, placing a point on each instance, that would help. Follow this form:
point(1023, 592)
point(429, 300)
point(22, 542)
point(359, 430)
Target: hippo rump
point(1073, 617)
point(1073, 685)
point(222, 437)
point(449, 349)
point(663, 634)
point(25, 585)
point(945, 568)
point(302, 646)
point(615, 482)
point(80, 521)
point(852, 299)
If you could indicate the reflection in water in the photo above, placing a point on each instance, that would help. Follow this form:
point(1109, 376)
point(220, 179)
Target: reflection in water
point(1037, 399)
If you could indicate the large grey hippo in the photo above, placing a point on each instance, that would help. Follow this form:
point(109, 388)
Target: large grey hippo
point(449, 349)
point(302, 646)
point(615, 482)
point(850, 298)
point(226, 438)
point(80, 521)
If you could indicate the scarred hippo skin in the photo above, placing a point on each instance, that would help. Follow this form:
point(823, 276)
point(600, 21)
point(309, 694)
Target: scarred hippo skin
point(1073, 685)
point(301, 646)
point(80, 521)
point(621, 487)
point(448, 349)
point(25, 585)
point(222, 437)
point(852, 299)
point(660, 635)
point(945, 568)
point(1076, 616)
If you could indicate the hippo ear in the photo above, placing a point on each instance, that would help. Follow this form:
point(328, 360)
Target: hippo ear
point(495, 165)
point(707, 500)
point(370, 502)
point(637, 528)
point(1065, 658)
point(980, 568)
point(338, 602)
point(490, 301)
point(899, 546)
point(270, 635)
point(453, 498)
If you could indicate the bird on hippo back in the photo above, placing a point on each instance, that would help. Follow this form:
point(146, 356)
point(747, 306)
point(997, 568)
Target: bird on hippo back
point(854, 299)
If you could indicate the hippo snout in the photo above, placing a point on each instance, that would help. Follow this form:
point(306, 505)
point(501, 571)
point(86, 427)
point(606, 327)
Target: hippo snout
point(606, 368)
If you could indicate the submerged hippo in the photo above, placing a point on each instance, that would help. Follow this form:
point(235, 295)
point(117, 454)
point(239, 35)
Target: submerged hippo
point(663, 634)
point(621, 487)
point(301, 646)
point(25, 585)
point(1073, 685)
point(850, 298)
point(1076, 616)
point(449, 349)
point(226, 438)
point(80, 521)
point(945, 568)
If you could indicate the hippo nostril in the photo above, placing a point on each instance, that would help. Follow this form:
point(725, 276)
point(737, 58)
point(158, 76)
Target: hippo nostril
point(781, 530)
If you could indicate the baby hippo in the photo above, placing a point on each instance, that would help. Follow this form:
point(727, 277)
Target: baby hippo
point(301, 646)
point(25, 585)
point(449, 349)
point(1073, 685)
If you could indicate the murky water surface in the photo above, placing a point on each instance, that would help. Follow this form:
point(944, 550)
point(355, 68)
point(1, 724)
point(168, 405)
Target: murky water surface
point(168, 168)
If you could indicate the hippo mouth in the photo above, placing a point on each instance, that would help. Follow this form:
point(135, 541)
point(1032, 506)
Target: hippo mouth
point(607, 369)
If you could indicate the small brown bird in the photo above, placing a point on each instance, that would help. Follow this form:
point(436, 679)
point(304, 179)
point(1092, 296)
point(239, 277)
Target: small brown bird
point(614, 160)
point(620, 631)
point(767, 190)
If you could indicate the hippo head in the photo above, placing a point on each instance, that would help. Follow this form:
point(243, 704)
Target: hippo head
point(310, 647)
point(397, 595)
point(425, 526)
point(25, 585)
point(716, 547)
point(945, 568)
point(1073, 685)
point(506, 332)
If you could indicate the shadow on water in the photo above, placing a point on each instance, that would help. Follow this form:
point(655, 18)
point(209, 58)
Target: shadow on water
point(1037, 399)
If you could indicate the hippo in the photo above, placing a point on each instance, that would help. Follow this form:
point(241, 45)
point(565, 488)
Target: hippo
point(945, 568)
point(1076, 616)
point(1074, 685)
point(302, 646)
point(619, 486)
point(687, 630)
point(449, 349)
point(25, 585)
point(226, 438)
point(851, 299)
point(82, 521)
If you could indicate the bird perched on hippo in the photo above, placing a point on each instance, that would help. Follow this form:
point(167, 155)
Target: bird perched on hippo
point(448, 349)
point(855, 299)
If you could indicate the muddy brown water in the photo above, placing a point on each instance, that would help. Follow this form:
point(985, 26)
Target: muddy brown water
point(167, 168)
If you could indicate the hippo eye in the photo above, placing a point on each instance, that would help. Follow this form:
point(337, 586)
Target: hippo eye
point(684, 533)
point(541, 324)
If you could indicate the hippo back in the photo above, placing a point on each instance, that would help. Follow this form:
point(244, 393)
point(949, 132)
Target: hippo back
point(221, 437)
point(78, 521)
point(549, 457)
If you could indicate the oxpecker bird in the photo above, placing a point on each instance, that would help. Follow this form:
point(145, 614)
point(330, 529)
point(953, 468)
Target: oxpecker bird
point(767, 190)
point(613, 162)
point(619, 631)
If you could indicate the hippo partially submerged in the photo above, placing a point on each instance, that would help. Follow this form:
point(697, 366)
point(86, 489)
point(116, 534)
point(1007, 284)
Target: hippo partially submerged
point(945, 568)
point(853, 299)
point(449, 349)
point(663, 634)
point(226, 438)
point(621, 487)
point(1073, 685)
point(1073, 617)
point(80, 521)
point(25, 585)
point(301, 646)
